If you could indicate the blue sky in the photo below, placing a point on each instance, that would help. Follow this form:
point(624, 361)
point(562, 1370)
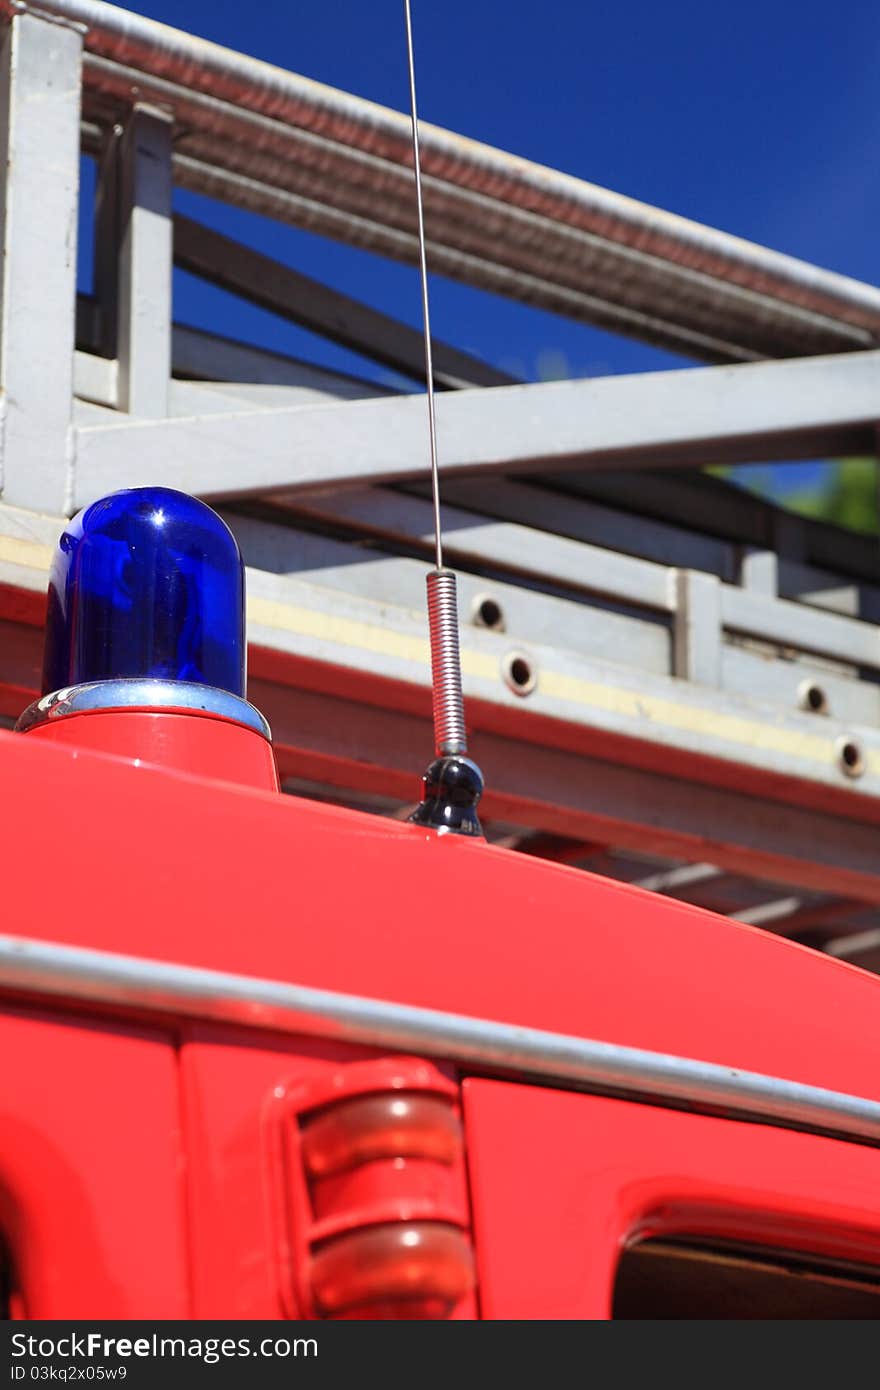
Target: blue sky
point(761, 118)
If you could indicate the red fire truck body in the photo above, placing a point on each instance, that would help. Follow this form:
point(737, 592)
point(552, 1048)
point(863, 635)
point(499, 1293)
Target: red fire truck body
point(186, 1143)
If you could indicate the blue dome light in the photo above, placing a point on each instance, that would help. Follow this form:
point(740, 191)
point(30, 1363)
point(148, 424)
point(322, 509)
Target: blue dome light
point(146, 583)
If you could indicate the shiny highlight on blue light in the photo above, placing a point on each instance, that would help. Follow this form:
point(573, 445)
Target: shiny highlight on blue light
point(146, 583)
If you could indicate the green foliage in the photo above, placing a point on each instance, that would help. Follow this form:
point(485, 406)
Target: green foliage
point(852, 498)
point(848, 496)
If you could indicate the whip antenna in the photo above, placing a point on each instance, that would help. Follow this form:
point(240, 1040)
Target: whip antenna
point(453, 783)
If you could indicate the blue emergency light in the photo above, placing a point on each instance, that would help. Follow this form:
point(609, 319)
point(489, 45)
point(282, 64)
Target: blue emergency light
point(146, 583)
point(145, 611)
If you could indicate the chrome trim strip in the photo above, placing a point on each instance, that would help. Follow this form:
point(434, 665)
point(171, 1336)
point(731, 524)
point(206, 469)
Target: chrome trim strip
point(136, 693)
point(129, 982)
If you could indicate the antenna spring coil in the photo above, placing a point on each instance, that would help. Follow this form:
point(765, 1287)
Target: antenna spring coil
point(449, 729)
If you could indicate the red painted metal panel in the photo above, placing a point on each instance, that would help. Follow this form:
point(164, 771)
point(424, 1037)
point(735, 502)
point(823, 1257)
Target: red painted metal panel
point(91, 1202)
point(191, 742)
point(560, 1181)
point(208, 874)
point(231, 1086)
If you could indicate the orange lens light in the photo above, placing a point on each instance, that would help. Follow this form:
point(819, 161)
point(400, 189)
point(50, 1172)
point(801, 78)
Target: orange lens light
point(394, 1267)
point(372, 1127)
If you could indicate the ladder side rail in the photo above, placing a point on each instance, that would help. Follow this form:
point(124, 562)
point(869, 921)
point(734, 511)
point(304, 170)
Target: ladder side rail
point(40, 69)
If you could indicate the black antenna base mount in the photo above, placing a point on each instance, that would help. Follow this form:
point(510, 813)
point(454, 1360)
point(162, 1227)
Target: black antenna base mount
point(452, 787)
